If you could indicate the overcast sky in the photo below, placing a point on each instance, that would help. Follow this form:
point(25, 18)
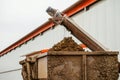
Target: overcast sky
point(20, 17)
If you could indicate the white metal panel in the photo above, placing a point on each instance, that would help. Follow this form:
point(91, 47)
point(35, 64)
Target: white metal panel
point(11, 76)
point(11, 60)
point(102, 22)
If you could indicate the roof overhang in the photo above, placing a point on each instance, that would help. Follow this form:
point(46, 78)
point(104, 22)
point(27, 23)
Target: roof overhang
point(72, 10)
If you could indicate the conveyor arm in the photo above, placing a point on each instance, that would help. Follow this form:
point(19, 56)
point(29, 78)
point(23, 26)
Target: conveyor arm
point(77, 31)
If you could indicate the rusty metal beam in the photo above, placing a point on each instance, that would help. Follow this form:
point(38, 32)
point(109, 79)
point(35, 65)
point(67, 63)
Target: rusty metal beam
point(77, 31)
point(83, 36)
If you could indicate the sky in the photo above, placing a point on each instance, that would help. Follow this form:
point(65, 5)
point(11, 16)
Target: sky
point(20, 17)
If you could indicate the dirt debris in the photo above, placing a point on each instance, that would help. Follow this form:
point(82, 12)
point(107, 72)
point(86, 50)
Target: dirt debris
point(103, 68)
point(67, 44)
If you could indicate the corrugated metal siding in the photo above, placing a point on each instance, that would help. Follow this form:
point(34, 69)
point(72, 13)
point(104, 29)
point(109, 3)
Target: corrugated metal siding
point(11, 60)
point(40, 42)
point(102, 22)
point(11, 76)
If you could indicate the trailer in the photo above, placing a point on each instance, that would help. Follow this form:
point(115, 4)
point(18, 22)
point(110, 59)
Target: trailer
point(97, 64)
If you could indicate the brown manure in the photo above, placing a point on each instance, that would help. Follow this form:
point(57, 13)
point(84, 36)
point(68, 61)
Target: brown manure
point(67, 44)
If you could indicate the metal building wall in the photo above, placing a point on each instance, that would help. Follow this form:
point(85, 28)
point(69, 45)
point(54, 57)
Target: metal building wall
point(102, 22)
point(9, 63)
point(11, 60)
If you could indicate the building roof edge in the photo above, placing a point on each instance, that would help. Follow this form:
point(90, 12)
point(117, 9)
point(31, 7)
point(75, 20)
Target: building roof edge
point(70, 11)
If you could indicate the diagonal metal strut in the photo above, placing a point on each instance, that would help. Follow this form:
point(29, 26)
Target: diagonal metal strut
point(77, 31)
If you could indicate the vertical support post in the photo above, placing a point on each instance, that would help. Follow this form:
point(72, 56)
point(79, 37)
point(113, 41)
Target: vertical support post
point(28, 70)
point(84, 67)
